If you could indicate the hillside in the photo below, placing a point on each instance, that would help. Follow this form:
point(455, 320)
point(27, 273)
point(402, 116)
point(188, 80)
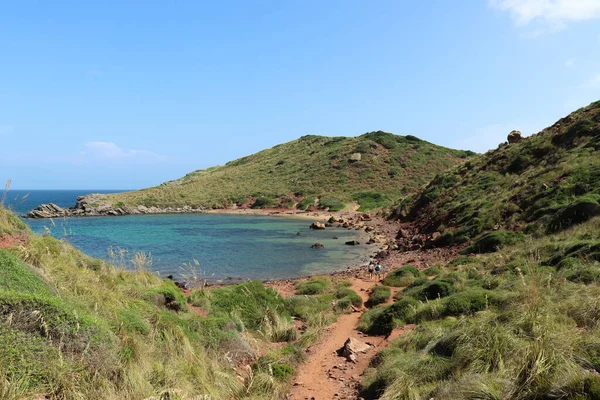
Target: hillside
point(374, 169)
point(75, 327)
point(543, 184)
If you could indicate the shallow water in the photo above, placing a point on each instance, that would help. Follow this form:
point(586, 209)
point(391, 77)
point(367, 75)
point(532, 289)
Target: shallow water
point(225, 246)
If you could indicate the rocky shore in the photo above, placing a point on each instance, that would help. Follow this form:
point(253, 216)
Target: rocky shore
point(92, 206)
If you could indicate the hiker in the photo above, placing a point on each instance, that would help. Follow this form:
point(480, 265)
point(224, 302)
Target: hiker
point(370, 269)
point(378, 271)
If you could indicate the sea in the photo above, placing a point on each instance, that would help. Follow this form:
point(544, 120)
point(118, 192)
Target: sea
point(216, 247)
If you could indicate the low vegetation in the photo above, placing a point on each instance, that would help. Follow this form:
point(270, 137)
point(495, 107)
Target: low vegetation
point(515, 324)
point(74, 327)
point(402, 276)
point(311, 171)
point(543, 184)
point(378, 295)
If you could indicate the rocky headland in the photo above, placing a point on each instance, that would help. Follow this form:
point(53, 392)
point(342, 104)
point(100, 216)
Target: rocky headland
point(92, 205)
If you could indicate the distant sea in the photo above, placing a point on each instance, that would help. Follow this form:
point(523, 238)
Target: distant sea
point(219, 246)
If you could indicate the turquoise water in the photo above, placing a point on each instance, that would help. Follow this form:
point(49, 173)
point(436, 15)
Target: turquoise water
point(226, 246)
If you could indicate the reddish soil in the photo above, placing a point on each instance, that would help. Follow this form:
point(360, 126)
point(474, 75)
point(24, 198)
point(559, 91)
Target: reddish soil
point(326, 375)
point(7, 241)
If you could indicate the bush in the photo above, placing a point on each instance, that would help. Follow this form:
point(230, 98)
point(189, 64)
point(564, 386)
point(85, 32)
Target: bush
point(349, 295)
point(575, 213)
point(432, 271)
point(436, 290)
point(467, 302)
point(382, 320)
point(402, 276)
point(312, 286)
point(371, 200)
point(378, 295)
point(332, 204)
point(263, 202)
point(251, 301)
point(305, 203)
point(492, 241)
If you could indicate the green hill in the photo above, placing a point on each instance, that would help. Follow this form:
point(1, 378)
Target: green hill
point(374, 170)
point(543, 184)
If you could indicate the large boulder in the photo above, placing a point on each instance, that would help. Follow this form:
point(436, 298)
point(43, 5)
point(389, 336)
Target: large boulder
point(355, 157)
point(514, 137)
point(351, 348)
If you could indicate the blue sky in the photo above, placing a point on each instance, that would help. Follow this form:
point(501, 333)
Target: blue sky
point(127, 94)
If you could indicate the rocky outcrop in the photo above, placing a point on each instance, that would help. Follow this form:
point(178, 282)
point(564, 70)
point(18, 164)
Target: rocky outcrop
point(94, 205)
point(355, 157)
point(514, 137)
point(317, 225)
point(49, 210)
point(317, 246)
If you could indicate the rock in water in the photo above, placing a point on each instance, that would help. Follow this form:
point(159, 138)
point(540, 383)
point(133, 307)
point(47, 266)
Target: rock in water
point(352, 243)
point(317, 225)
point(514, 137)
point(317, 246)
point(49, 210)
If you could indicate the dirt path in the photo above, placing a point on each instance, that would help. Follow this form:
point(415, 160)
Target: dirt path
point(325, 375)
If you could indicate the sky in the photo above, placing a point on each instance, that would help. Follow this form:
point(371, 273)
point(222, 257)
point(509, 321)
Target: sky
point(128, 94)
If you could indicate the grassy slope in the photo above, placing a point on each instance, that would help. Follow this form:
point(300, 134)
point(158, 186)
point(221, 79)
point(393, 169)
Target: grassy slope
point(544, 183)
point(391, 166)
point(74, 327)
point(522, 323)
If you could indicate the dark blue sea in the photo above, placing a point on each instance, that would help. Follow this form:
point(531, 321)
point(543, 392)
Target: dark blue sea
point(218, 246)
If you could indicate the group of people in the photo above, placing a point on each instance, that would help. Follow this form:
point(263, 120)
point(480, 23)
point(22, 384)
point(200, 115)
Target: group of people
point(378, 269)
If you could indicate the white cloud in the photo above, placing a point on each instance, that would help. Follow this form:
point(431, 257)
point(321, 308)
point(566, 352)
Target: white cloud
point(554, 13)
point(111, 150)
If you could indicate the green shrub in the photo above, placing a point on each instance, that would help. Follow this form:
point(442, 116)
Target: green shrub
point(16, 276)
point(305, 203)
point(167, 295)
point(432, 271)
point(132, 322)
point(304, 307)
point(467, 302)
point(282, 371)
point(349, 295)
point(575, 213)
point(378, 295)
point(251, 301)
point(371, 200)
point(402, 276)
point(492, 241)
point(383, 319)
point(263, 202)
point(331, 203)
point(436, 290)
point(312, 286)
